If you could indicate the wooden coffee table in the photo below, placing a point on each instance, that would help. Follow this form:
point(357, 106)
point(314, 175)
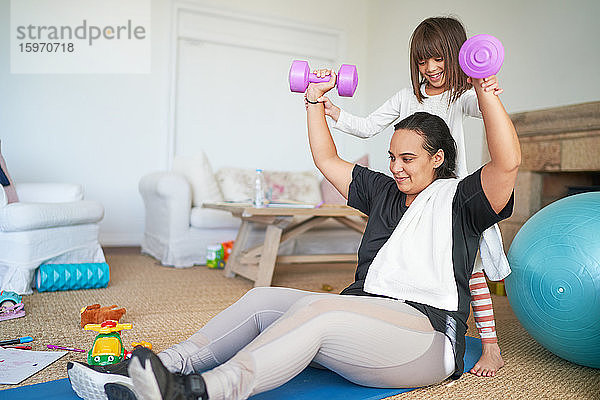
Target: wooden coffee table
point(258, 263)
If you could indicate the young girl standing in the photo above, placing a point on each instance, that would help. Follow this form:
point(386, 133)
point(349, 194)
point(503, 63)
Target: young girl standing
point(441, 88)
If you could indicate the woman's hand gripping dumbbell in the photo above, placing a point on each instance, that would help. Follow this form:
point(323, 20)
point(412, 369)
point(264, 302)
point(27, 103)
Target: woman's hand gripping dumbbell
point(481, 57)
point(330, 109)
point(300, 76)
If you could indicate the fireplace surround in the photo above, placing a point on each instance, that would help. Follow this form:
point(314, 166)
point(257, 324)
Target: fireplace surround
point(560, 155)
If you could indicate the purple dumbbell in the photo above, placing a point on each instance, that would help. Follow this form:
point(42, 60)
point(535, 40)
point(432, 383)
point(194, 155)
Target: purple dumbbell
point(481, 56)
point(300, 77)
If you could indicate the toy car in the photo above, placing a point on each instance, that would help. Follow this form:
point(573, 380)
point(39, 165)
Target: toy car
point(108, 347)
point(9, 298)
point(11, 305)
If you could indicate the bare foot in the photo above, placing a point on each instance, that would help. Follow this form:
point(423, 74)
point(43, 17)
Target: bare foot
point(490, 362)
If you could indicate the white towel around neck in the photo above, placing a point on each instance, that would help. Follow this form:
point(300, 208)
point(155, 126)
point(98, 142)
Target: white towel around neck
point(406, 267)
point(415, 263)
point(493, 258)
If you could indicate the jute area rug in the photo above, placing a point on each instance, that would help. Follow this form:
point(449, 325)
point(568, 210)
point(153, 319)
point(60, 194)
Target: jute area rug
point(167, 305)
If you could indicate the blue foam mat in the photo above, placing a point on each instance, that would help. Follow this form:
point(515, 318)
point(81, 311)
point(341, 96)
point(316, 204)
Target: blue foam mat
point(311, 384)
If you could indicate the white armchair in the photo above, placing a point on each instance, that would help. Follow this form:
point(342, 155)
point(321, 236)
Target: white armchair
point(176, 232)
point(51, 223)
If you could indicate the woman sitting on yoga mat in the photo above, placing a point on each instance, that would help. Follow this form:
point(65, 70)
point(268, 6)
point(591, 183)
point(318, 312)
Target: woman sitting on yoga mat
point(401, 323)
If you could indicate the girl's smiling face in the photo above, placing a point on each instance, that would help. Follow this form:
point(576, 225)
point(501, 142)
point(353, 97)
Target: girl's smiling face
point(432, 70)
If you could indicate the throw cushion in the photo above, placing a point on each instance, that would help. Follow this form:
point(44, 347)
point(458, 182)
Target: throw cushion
point(296, 186)
point(330, 194)
point(199, 174)
point(6, 181)
point(237, 184)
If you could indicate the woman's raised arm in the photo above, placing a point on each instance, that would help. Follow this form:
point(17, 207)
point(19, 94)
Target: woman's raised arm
point(500, 173)
point(322, 147)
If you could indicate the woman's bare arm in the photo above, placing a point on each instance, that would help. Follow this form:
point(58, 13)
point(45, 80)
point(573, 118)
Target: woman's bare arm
point(499, 175)
point(322, 147)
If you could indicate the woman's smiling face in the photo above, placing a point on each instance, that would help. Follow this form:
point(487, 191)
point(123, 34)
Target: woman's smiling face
point(412, 167)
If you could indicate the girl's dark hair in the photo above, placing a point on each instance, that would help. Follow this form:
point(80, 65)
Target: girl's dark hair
point(439, 37)
point(436, 136)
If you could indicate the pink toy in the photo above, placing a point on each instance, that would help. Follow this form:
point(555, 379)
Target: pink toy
point(11, 305)
point(10, 312)
point(300, 76)
point(481, 56)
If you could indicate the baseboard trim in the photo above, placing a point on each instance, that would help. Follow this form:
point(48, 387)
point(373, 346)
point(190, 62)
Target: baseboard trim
point(120, 239)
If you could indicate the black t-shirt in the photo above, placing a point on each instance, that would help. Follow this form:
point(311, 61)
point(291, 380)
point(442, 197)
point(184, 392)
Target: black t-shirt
point(3, 178)
point(377, 195)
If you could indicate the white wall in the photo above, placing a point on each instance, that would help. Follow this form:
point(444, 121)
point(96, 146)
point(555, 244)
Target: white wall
point(552, 54)
point(237, 64)
point(108, 130)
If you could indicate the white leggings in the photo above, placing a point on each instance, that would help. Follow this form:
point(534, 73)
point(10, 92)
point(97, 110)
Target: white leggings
point(271, 334)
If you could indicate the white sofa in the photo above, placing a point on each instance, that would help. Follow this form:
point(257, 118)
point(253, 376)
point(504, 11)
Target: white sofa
point(49, 224)
point(178, 230)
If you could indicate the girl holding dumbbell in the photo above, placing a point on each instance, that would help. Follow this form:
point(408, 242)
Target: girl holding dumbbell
point(439, 87)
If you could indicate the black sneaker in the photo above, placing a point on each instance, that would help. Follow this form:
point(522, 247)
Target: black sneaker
point(88, 380)
point(152, 381)
point(118, 391)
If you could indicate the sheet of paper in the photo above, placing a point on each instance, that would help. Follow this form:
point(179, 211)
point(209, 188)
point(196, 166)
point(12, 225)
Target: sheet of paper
point(17, 365)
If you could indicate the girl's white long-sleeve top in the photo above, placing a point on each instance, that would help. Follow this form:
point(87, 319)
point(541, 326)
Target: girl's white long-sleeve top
point(405, 103)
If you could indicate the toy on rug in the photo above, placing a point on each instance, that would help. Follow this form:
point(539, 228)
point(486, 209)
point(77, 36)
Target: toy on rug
point(108, 347)
point(95, 314)
point(143, 343)
point(11, 305)
point(218, 254)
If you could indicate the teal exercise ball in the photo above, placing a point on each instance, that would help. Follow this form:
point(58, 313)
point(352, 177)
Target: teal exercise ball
point(554, 287)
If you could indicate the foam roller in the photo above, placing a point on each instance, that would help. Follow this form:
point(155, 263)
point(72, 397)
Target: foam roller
point(53, 277)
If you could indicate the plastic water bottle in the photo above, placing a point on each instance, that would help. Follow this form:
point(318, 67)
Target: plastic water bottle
point(259, 189)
